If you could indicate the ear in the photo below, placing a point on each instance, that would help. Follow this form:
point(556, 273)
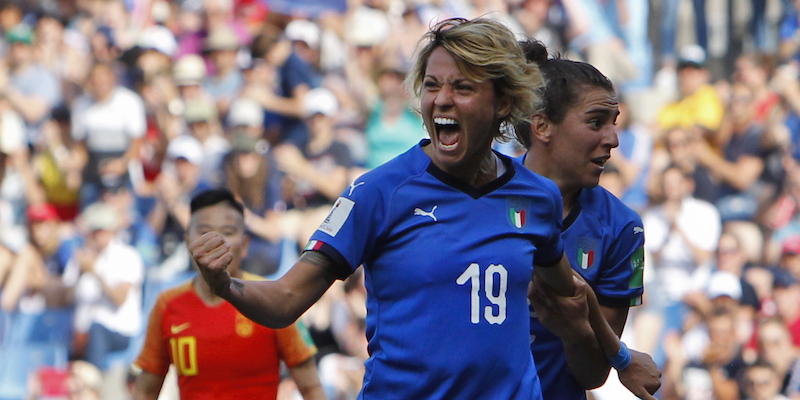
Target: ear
point(541, 128)
point(245, 245)
point(504, 108)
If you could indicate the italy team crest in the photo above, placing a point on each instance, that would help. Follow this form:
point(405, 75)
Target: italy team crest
point(518, 209)
point(586, 256)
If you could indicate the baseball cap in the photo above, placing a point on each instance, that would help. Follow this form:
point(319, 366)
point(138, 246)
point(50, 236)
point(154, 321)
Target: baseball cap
point(160, 39)
point(791, 246)
point(691, 56)
point(189, 70)
point(199, 110)
point(782, 278)
point(244, 143)
point(21, 33)
point(246, 112)
point(100, 216)
point(42, 212)
point(303, 30)
point(320, 101)
point(186, 147)
point(222, 38)
point(367, 27)
point(723, 283)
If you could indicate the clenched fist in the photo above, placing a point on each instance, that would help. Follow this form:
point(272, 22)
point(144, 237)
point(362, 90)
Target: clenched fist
point(212, 255)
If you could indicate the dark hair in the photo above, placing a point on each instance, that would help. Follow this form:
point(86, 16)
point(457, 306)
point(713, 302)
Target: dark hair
point(563, 81)
point(213, 197)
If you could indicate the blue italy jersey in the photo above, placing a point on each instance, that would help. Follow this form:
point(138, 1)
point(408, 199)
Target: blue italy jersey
point(447, 268)
point(603, 240)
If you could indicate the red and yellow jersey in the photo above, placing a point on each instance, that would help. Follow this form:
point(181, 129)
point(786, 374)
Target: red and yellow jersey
point(217, 352)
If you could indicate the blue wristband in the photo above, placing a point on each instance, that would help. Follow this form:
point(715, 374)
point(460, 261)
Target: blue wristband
point(622, 359)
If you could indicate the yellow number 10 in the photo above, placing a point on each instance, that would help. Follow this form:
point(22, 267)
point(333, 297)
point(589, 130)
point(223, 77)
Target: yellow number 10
point(184, 354)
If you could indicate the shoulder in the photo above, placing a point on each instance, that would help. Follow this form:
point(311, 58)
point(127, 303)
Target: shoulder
point(602, 204)
point(535, 181)
point(168, 296)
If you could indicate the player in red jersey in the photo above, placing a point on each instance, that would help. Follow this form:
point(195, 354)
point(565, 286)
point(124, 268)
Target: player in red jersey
point(217, 352)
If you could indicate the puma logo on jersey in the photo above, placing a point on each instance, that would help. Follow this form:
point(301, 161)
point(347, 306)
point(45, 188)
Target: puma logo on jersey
point(419, 211)
point(637, 229)
point(353, 186)
point(176, 329)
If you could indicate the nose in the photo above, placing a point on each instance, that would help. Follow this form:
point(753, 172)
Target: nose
point(444, 96)
point(611, 138)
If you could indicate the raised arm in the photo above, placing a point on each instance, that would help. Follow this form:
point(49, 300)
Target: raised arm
point(274, 304)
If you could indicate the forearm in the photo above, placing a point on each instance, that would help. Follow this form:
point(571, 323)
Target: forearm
point(277, 304)
point(147, 386)
point(32, 109)
point(724, 388)
point(558, 277)
point(307, 381)
point(606, 337)
point(586, 359)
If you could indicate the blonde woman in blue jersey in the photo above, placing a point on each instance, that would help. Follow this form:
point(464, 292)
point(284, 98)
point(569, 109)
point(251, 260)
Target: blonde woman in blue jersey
point(569, 140)
point(448, 234)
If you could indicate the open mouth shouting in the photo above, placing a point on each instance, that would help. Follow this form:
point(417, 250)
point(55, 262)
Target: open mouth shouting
point(447, 133)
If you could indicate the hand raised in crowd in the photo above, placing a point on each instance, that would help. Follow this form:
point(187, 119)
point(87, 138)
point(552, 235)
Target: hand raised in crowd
point(290, 159)
point(642, 377)
point(212, 255)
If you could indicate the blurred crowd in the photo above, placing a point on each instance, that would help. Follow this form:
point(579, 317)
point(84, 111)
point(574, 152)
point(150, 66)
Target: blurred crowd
point(114, 113)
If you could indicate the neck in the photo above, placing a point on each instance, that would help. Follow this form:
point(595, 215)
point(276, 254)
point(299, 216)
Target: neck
point(545, 167)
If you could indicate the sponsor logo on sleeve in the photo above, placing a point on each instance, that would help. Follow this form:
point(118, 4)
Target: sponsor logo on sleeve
point(337, 217)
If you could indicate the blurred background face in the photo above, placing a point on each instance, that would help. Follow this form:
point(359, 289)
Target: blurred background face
point(43, 233)
point(226, 221)
point(721, 330)
point(741, 107)
point(690, 79)
point(247, 164)
point(730, 256)
point(676, 185)
point(100, 238)
point(20, 54)
point(775, 342)
point(102, 82)
point(749, 73)
point(760, 383)
point(187, 172)
point(678, 145)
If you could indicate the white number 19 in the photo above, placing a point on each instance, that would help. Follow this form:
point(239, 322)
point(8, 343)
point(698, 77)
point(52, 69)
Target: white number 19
point(472, 274)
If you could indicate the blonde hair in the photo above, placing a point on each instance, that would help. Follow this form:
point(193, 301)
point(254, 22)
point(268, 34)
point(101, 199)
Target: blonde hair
point(484, 49)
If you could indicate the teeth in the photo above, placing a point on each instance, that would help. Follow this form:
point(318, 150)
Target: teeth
point(445, 121)
point(448, 146)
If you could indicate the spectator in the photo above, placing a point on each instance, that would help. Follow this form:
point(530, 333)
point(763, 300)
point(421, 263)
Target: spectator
point(30, 277)
point(761, 381)
point(699, 107)
point(295, 79)
point(109, 124)
point(741, 163)
point(786, 292)
point(254, 179)
point(316, 174)
point(776, 348)
point(226, 80)
point(632, 158)
point(106, 276)
point(682, 235)
point(392, 126)
point(31, 89)
point(203, 125)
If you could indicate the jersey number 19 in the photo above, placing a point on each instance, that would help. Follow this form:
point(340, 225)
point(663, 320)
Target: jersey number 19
point(472, 275)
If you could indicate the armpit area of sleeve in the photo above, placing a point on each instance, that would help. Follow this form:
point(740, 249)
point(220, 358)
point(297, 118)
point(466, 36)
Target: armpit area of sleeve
point(554, 261)
point(341, 267)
